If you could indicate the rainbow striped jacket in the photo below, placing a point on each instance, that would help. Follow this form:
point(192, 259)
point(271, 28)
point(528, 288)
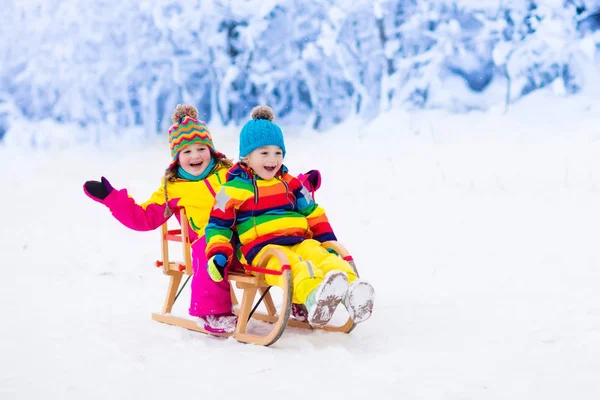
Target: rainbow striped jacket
point(259, 212)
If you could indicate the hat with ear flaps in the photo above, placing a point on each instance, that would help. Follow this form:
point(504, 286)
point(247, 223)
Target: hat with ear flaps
point(188, 129)
point(260, 131)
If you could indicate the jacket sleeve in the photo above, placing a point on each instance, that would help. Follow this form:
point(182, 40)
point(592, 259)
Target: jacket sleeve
point(145, 217)
point(315, 215)
point(219, 230)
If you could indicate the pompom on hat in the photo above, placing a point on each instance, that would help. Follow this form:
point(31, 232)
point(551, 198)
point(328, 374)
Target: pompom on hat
point(260, 131)
point(187, 130)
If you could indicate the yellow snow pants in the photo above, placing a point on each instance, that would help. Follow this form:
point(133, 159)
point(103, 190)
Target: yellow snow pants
point(309, 263)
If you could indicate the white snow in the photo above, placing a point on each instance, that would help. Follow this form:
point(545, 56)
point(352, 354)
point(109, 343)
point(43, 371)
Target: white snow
point(479, 233)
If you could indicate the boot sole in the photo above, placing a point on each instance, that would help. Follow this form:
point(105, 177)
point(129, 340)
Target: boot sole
point(359, 301)
point(220, 327)
point(328, 296)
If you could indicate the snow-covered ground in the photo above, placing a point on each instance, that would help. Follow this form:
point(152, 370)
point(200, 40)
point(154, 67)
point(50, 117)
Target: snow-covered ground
point(479, 232)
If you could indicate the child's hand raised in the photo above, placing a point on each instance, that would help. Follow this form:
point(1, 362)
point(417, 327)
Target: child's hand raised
point(216, 267)
point(311, 180)
point(98, 191)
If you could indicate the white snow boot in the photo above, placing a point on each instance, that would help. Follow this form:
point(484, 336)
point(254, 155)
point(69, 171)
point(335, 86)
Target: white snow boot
point(322, 302)
point(358, 300)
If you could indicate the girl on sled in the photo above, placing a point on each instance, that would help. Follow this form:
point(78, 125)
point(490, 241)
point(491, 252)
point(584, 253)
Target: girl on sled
point(196, 172)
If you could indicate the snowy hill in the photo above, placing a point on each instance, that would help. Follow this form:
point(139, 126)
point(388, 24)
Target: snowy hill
point(479, 233)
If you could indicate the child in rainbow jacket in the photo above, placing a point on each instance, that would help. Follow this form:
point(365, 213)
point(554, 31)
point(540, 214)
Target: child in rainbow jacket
point(263, 206)
point(197, 171)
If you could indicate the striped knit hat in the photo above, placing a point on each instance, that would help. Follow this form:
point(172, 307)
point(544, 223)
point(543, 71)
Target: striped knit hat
point(187, 129)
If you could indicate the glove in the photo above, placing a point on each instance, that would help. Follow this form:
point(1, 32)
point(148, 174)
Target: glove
point(216, 267)
point(98, 190)
point(311, 180)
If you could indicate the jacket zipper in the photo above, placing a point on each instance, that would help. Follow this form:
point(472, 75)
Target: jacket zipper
point(287, 192)
point(255, 189)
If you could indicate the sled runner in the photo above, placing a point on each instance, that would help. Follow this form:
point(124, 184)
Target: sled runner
point(250, 280)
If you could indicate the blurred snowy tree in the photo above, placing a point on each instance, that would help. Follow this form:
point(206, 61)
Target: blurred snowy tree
point(542, 46)
point(126, 63)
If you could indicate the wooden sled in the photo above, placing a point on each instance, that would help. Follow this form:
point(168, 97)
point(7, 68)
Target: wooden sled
point(251, 281)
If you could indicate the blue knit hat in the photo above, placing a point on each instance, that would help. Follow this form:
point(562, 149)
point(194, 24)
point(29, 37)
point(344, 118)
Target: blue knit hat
point(260, 131)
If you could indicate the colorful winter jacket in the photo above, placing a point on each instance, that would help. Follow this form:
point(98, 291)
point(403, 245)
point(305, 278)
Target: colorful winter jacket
point(196, 197)
point(278, 211)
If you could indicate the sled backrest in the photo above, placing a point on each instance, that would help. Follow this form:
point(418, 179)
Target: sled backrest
point(176, 235)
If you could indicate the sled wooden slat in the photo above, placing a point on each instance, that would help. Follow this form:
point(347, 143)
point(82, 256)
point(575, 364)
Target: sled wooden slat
point(187, 249)
point(184, 323)
point(165, 249)
point(174, 268)
point(251, 285)
point(345, 328)
point(174, 282)
point(243, 280)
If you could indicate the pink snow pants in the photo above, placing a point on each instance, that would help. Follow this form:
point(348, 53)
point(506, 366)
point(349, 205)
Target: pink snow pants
point(208, 297)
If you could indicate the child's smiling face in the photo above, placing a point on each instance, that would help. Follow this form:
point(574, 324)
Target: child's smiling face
point(194, 158)
point(266, 161)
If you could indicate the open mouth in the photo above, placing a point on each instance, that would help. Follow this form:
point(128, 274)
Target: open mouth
point(270, 169)
point(195, 165)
